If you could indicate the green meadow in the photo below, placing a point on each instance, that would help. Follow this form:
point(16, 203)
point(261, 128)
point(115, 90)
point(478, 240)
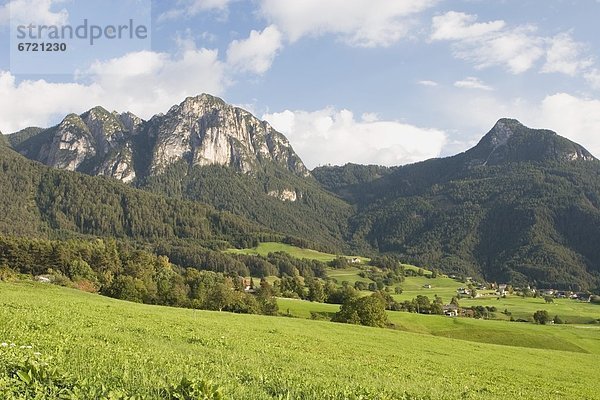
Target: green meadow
point(271, 247)
point(575, 338)
point(570, 311)
point(88, 346)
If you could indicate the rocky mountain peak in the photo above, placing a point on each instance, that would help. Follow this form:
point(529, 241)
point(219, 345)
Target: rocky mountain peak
point(201, 130)
point(130, 121)
point(504, 129)
point(204, 130)
point(511, 141)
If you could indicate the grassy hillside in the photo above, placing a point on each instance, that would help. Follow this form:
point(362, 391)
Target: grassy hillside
point(576, 338)
point(271, 247)
point(135, 349)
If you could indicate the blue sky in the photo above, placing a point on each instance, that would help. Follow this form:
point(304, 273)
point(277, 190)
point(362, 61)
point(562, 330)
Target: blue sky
point(366, 81)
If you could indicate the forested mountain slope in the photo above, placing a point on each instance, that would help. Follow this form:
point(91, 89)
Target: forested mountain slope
point(521, 206)
point(203, 150)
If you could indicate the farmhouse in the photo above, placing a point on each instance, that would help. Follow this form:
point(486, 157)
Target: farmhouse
point(502, 289)
point(451, 310)
point(355, 260)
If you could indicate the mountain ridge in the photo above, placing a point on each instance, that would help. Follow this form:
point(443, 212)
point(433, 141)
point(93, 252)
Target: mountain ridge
point(523, 205)
point(202, 130)
point(493, 211)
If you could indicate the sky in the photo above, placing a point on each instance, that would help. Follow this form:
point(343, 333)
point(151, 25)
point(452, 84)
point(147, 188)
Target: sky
point(385, 82)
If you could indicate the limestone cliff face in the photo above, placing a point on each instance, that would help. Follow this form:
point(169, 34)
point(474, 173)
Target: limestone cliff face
point(96, 142)
point(202, 130)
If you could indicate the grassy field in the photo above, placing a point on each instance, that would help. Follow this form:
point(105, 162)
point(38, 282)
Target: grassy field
point(571, 311)
point(350, 275)
point(271, 247)
point(442, 286)
point(578, 338)
point(129, 349)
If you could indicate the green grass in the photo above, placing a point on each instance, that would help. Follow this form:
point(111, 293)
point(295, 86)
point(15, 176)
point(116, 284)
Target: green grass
point(136, 349)
point(302, 308)
point(442, 286)
point(571, 311)
point(574, 338)
point(557, 337)
point(271, 247)
point(350, 274)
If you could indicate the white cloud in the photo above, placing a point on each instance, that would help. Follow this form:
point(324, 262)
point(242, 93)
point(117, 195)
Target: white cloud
point(331, 136)
point(365, 23)
point(576, 118)
point(149, 82)
point(517, 49)
point(593, 78)
point(458, 26)
point(34, 103)
point(143, 82)
point(33, 11)
point(370, 117)
point(428, 83)
point(472, 83)
point(565, 56)
point(190, 8)
point(257, 52)
point(573, 117)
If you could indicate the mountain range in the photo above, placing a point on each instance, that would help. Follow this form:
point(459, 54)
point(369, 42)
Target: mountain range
point(523, 205)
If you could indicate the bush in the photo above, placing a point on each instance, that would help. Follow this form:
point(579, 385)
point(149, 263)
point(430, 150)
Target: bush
point(541, 317)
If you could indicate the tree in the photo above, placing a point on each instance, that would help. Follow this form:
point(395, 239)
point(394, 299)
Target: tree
point(548, 299)
point(541, 317)
point(398, 290)
point(339, 262)
point(422, 304)
point(369, 311)
point(437, 307)
point(558, 320)
point(340, 295)
point(220, 296)
point(316, 291)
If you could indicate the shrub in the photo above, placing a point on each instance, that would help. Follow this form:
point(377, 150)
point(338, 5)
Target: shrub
point(541, 317)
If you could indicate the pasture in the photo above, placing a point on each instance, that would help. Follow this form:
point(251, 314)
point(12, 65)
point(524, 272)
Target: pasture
point(98, 347)
point(271, 247)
